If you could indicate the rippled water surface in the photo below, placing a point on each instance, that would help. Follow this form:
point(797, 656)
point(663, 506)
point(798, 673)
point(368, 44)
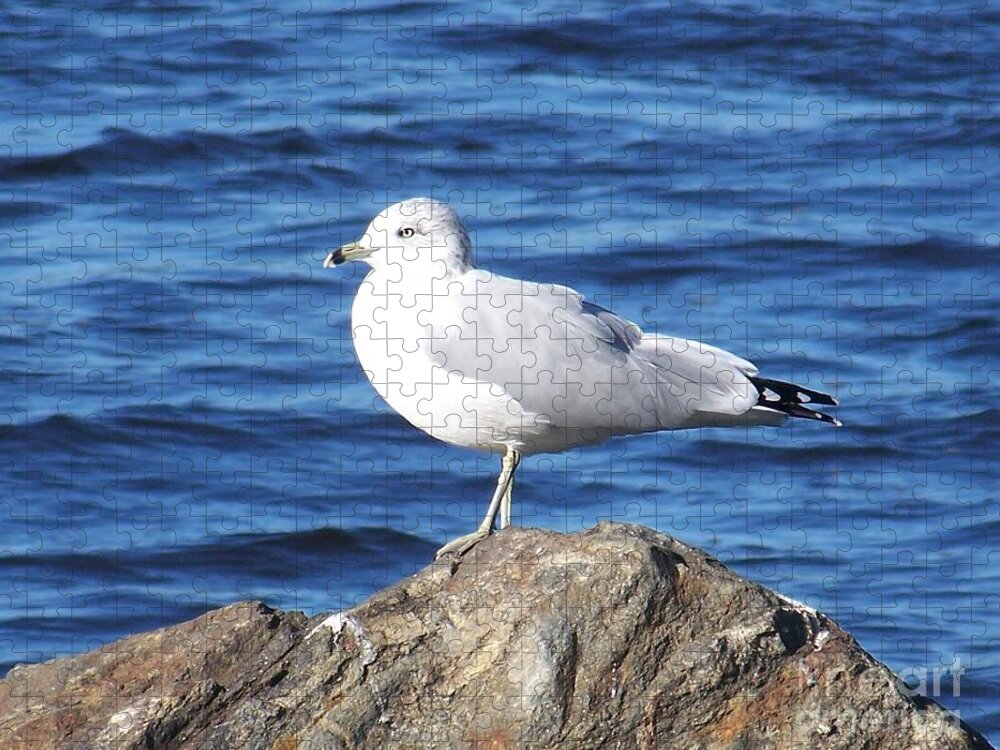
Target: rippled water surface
point(184, 423)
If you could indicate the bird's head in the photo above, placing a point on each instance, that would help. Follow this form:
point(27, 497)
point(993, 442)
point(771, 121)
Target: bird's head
point(419, 235)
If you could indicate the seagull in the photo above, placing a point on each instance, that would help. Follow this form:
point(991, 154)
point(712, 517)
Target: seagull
point(518, 367)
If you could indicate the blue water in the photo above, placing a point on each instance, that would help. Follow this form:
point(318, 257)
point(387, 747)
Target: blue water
point(183, 420)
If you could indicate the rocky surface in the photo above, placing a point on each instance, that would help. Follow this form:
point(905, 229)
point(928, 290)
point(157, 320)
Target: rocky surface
point(616, 637)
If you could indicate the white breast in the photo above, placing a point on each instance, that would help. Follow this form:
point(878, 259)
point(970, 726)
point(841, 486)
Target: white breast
point(388, 336)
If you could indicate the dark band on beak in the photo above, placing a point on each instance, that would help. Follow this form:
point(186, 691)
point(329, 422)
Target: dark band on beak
point(335, 258)
point(352, 251)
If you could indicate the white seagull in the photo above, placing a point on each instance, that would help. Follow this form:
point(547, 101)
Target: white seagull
point(517, 367)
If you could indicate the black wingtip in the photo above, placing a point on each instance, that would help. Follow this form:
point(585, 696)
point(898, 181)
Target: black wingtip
point(792, 400)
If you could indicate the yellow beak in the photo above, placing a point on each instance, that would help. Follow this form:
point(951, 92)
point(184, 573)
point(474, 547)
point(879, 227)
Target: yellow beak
point(350, 251)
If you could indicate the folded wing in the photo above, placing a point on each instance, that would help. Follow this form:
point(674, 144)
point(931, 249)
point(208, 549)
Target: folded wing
point(577, 366)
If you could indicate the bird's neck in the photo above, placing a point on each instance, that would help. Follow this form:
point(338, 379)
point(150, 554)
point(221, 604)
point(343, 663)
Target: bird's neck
point(416, 286)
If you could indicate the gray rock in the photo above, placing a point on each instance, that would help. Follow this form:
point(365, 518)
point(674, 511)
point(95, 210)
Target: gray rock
point(616, 637)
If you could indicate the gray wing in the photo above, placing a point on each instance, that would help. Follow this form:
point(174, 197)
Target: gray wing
point(572, 362)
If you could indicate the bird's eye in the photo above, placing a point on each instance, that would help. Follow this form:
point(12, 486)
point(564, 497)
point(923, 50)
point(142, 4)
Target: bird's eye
point(406, 232)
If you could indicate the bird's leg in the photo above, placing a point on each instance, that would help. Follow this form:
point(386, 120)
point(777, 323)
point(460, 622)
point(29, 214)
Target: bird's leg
point(515, 459)
point(464, 543)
